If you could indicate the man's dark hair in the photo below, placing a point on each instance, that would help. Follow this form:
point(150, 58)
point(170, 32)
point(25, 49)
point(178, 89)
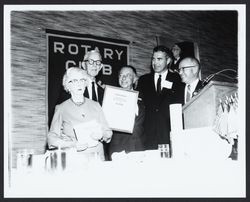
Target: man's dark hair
point(163, 49)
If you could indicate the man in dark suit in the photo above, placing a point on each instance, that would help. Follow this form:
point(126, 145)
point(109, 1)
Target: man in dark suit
point(177, 56)
point(159, 89)
point(92, 63)
point(189, 69)
point(122, 141)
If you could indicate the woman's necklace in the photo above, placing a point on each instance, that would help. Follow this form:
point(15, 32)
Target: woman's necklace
point(78, 104)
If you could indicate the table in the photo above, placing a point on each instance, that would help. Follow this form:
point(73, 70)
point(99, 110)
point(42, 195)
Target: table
point(128, 178)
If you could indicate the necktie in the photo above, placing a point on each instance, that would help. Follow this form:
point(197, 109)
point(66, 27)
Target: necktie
point(188, 95)
point(94, 97)
point(159, 85)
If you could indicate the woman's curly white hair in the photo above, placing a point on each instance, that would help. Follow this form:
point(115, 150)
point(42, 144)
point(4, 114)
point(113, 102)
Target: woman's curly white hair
point(67, 76)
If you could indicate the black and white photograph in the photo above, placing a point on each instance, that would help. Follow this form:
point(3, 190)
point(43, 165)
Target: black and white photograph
point(124, 101)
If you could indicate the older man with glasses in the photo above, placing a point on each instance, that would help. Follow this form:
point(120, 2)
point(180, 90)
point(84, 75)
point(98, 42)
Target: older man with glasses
point(189, 69)
point(92, 63)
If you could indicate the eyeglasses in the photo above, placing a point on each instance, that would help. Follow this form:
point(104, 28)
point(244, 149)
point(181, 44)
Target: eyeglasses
point(92, 62)
point(186, 67)
point(74, 81)
point(125, 76)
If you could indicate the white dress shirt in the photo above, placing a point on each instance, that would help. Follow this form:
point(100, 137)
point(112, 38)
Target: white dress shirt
point(90, 89)
point(176, 60)
point(163, 78)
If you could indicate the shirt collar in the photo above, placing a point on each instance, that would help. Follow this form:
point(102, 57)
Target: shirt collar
point(90, 81)
point(163, 74)
point(193, 84)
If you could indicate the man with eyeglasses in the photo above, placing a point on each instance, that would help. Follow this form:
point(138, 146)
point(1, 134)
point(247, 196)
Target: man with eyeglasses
point(158, 89)
point(92, 63)
point(189, 69)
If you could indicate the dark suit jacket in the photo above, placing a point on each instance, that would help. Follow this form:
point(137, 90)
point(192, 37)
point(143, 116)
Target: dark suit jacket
point(157, 121)
point(175, 66)
point(100, 92)
point(198, 87)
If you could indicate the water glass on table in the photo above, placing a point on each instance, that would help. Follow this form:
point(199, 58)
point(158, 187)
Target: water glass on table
point(164, 150)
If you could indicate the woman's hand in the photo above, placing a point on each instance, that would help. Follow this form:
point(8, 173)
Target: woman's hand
point(60, 141)
point(107, 136)
point(97, 133)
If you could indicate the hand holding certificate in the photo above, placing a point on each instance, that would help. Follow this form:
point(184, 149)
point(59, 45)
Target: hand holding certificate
point(119, 107)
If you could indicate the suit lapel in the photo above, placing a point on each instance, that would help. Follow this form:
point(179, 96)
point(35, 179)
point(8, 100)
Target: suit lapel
point(197, 88)
point(86, 93)
point(100, 92)
point(149, 84)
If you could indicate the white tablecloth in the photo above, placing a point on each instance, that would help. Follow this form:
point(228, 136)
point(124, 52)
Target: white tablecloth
point(152, 178)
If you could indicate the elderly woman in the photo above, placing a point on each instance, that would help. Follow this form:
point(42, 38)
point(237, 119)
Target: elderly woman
point(78, 122)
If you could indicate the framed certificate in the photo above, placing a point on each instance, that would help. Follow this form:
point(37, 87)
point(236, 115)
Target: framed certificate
point(119, 107)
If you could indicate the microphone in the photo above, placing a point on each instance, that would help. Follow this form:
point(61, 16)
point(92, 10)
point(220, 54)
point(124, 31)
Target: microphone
point(211, 76)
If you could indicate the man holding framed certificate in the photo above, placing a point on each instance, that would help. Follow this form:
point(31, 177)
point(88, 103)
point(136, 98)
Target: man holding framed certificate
point(124, 111)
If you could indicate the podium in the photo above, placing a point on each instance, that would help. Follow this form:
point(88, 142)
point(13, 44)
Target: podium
point(201, 110)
